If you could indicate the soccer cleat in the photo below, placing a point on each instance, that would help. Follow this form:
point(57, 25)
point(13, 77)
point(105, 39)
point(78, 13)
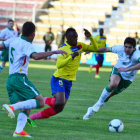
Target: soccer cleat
point(31, 122)
point(97, 76)
point(89, 113)
point(9, 109)
point(22, 134)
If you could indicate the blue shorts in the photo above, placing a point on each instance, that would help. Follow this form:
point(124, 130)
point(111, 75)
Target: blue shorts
point(99, 57)
point(61, 85)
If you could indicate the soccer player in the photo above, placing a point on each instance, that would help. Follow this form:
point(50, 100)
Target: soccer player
point(101, 41)
point(122, 75)
point(5, 34)
point(67, 67)
point(18, 86)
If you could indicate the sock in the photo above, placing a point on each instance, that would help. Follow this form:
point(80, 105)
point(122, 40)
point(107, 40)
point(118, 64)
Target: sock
point(35, 116)
point(46, 113)
point(21, 121)
point(49, 101)
point(97, 68)
point(28, 104)
point(105, 93)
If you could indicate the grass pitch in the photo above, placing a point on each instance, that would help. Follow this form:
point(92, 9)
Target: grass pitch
point(69, 124)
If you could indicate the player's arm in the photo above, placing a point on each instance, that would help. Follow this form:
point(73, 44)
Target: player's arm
point(93, 46)
point(42, 55)
point(64, 60)
point(104, 49)
point(136, 67)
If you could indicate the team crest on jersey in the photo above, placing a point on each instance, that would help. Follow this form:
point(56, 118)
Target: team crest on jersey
point(74, 49)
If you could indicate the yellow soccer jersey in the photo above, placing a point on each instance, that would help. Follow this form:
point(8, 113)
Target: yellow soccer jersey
point(101, 41)
point(68, 67)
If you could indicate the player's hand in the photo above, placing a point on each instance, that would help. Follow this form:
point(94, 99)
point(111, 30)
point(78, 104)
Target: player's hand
point(86, 53)
point(87, 33)
point(75, 54)
point(122, 70)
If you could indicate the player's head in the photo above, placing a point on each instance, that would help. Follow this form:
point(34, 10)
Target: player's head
point(101, 31)
point(28, 30)
point(49, 29)
point(71, 36)
point(129, 45)
point(136, 34)
point(10, 23)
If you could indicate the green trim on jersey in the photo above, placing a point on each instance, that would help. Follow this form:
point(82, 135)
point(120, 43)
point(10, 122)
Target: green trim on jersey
point(10, 29)
point(139, 59)
point(24, 38)
point(31, 54)
point(115, 71)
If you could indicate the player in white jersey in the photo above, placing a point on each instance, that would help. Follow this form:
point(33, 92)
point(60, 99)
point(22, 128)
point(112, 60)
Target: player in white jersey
point(122, 75)
point(22, 93)
point(5, 34)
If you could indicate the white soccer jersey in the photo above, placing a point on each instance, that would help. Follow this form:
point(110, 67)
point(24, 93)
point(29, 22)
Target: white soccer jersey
point(20, 50)
point(125, 61)
point(8, 33)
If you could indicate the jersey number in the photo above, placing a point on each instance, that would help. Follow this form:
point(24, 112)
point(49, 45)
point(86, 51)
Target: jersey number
point(12, 56)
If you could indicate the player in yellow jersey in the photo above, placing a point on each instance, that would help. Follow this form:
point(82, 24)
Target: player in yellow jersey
point(101, 41)
point(67, 67)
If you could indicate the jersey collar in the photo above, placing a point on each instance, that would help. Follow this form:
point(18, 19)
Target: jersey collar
point(9, 28)
point(24, 38)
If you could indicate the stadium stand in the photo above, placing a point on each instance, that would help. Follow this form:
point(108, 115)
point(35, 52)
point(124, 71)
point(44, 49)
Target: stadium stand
point(18, 10)
point(119, 18)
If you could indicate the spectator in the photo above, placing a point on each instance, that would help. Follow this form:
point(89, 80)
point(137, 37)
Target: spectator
point(137, 38)
point(48, 39)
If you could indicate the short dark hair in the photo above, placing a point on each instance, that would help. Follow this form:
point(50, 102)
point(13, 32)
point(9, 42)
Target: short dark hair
point(28, 28)
point(131, 41)
point(10, 20)
point(69, 30)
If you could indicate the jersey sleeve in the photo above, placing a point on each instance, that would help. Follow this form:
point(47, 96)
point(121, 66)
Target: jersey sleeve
point(117, 48)
point(62, 60)
point(91, 48)
point(7, 42)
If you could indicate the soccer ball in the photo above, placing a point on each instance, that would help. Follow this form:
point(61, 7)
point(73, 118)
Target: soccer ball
point(116, 125)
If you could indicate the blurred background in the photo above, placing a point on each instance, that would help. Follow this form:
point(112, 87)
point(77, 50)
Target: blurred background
point(118, 18)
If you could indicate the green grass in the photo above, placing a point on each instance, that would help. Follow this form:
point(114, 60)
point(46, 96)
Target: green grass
point(69, 125)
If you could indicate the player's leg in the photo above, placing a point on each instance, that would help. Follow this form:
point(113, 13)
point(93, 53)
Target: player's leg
point(19, 86)
point(61, 91)
point(49, 101)
point(114, 82)
point(99, 59)
point(21, 122)
point(4, 59)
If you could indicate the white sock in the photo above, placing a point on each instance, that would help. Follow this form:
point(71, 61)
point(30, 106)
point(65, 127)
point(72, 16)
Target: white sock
point(103, 96)
point(28, 104)
point(21, 122)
